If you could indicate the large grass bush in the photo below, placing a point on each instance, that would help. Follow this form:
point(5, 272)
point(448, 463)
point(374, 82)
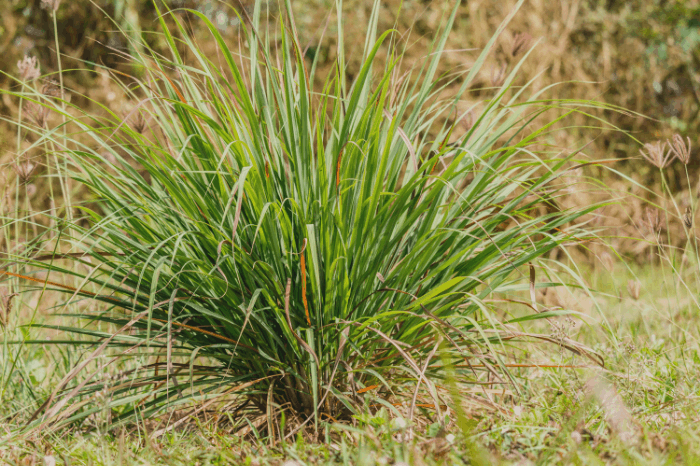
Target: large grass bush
point(256, 239)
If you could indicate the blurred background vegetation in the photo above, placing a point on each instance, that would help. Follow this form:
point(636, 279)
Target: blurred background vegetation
point(643, 55)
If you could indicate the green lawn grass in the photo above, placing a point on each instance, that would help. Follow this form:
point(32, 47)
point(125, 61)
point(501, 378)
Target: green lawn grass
point(642, 408)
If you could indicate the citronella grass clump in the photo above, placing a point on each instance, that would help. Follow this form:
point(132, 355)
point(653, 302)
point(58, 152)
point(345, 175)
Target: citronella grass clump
point(288, 249)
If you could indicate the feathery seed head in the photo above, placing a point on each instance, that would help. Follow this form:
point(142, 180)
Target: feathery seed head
point(24, 170)
point(688, 217)
point(520, 42)
point(680, 149)
point(607, 261)
point(31, 190)
point(633, 288)
point(498, 75)
point(139, 124)
point(657, 154)
point(28, 69)
point(50, 4)
point(38, 113)
point(51, 89)
point(653, 218)
point(468, 121)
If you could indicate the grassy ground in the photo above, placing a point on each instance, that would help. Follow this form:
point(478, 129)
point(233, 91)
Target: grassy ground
point(641, 409)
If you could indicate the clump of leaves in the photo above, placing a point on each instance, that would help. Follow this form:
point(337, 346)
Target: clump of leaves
point(293, 246)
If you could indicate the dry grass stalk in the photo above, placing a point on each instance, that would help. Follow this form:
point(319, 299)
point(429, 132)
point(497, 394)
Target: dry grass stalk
point(653, 222)
point(607, 261)
point(657, 154)
point(680, 149)
point(633, 288)
point(6, 201)
point(6, 297)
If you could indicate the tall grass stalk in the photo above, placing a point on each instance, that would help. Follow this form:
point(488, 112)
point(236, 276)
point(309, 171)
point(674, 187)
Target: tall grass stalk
point(293, 248)
point(62, 172)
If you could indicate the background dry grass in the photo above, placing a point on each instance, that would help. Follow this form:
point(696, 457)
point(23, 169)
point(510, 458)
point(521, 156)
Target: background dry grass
point(642, 55)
